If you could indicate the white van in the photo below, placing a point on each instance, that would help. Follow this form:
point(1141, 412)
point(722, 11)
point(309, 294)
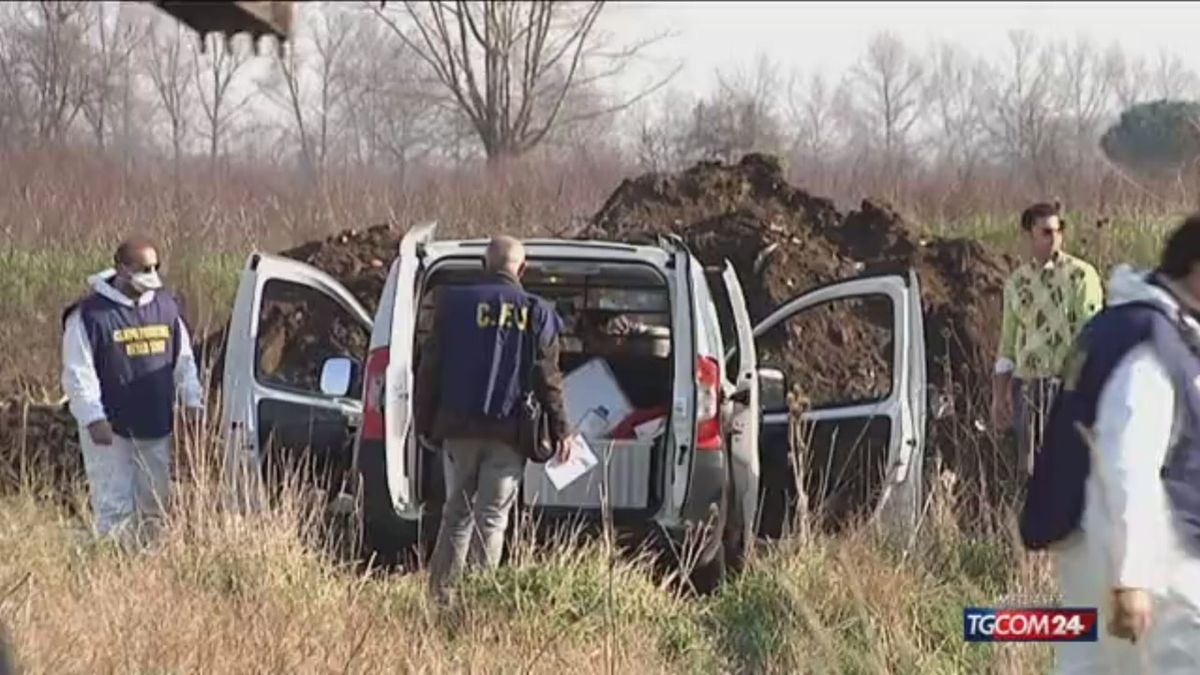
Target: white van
point(726, 422)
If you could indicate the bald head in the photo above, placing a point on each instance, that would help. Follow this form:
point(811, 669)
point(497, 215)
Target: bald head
point(505, 254)
point(133, 249)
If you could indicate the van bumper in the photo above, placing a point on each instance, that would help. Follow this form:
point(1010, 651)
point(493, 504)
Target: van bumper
point(704, 508)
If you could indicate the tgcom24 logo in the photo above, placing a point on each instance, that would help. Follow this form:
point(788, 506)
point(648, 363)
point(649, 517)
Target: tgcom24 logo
point(1049, 624)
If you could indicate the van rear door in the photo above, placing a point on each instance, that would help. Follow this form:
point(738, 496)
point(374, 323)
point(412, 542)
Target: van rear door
point(402, 461)
point(744, 421)
point(861, 433)
point(285, 394)
point(683, 402)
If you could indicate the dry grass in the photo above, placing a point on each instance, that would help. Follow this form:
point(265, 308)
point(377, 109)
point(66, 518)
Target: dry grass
point(228, 592)
point(225, 593)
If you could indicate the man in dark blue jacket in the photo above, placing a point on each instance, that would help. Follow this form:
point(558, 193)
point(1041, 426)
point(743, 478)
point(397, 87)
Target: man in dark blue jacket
point(1115, 491)
point(491, 342)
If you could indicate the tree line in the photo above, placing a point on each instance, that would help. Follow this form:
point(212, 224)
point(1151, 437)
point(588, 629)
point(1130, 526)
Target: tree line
point(407, 85)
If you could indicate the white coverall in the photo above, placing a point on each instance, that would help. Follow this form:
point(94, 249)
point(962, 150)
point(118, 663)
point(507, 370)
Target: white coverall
point(1128, 537)
point(128, 480)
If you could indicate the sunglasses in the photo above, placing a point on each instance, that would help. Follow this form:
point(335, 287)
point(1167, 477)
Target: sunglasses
point(143, 269)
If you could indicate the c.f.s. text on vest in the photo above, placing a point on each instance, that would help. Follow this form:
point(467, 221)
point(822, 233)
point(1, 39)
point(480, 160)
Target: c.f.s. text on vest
point(509, 316)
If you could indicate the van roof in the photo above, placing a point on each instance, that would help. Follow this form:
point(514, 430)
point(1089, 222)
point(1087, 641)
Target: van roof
point(564, 248)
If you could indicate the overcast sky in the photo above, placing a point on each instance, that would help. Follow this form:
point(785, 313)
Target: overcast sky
point(831, 35)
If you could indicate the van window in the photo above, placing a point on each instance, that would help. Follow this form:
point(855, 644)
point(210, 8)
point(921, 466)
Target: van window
point(848, 351)
point(298, 329)
point(624, 298)
point(709, 341)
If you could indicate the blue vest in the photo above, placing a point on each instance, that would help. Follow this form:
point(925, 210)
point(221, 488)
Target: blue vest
point(134, 350)
point(1055, 497)
point(487, 333)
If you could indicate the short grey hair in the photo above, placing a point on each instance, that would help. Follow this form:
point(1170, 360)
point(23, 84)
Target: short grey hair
point(504, 253)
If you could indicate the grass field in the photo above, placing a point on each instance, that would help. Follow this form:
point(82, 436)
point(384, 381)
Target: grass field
point(224, 594)
point(232, 594)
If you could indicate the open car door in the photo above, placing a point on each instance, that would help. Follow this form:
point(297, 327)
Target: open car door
point(745, 413)
point(860, 435)
point(406, 459)
point(287, 396)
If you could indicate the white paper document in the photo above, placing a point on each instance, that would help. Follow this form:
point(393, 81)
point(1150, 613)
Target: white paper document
point(582, 460)
point(652, 429)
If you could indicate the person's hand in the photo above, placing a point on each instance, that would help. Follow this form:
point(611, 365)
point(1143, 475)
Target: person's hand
point(1131, 614)
point(101, 432)
point(562, 449)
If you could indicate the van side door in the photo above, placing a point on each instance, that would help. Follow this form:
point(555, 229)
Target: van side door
point(287, 396)
point(857, 446)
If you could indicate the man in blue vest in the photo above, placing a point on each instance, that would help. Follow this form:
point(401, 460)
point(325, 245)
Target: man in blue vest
point(491, 343)
point(126, 354)
point(1115, 492)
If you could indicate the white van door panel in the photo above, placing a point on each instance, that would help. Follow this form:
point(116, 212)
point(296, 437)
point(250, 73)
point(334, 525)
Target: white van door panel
point(840, 434)
point(266, 397)
point(402, 461)
point(683, 405)
point(746, 412)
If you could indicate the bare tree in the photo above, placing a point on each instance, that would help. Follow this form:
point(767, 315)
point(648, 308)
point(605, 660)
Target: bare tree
point(1128, 78)
point(214, 71)
point(113, 40)
point(311, 86)
point(889, 80)
point(44, 62)
point(739, 116)
point(953, 102)
point(510, 67)
point(1172, 78)
point(1021, 109)
point(886, 86)
point(168, 65)
point(1086, 91)
point(814, 110)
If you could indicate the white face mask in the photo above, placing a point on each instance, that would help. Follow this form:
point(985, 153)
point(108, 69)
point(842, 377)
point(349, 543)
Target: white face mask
point(145, 281)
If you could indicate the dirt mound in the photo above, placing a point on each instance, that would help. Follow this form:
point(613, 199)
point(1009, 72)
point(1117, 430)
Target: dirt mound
point(784, 241)
point(38, 441)
point(358, 259)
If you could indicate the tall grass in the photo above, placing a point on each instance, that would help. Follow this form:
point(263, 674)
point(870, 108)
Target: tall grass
point(231, 591)
point(223, 592)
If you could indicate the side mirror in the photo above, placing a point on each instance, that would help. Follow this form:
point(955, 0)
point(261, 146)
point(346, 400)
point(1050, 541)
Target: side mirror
point(336, 375)
point(772, 390)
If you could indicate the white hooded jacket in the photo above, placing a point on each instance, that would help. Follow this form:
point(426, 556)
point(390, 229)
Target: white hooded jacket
point(1128, 536)
point(79, 380)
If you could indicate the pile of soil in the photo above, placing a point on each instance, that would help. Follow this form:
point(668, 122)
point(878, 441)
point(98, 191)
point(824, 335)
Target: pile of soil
point(38, 442)
point(783, 241)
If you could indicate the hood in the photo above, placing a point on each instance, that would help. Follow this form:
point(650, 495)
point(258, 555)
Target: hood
point(101, 278)
point(1127, 285)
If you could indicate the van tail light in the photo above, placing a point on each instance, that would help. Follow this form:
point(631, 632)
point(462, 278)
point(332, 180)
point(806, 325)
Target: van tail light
point(373, 394)
point(708, 404)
